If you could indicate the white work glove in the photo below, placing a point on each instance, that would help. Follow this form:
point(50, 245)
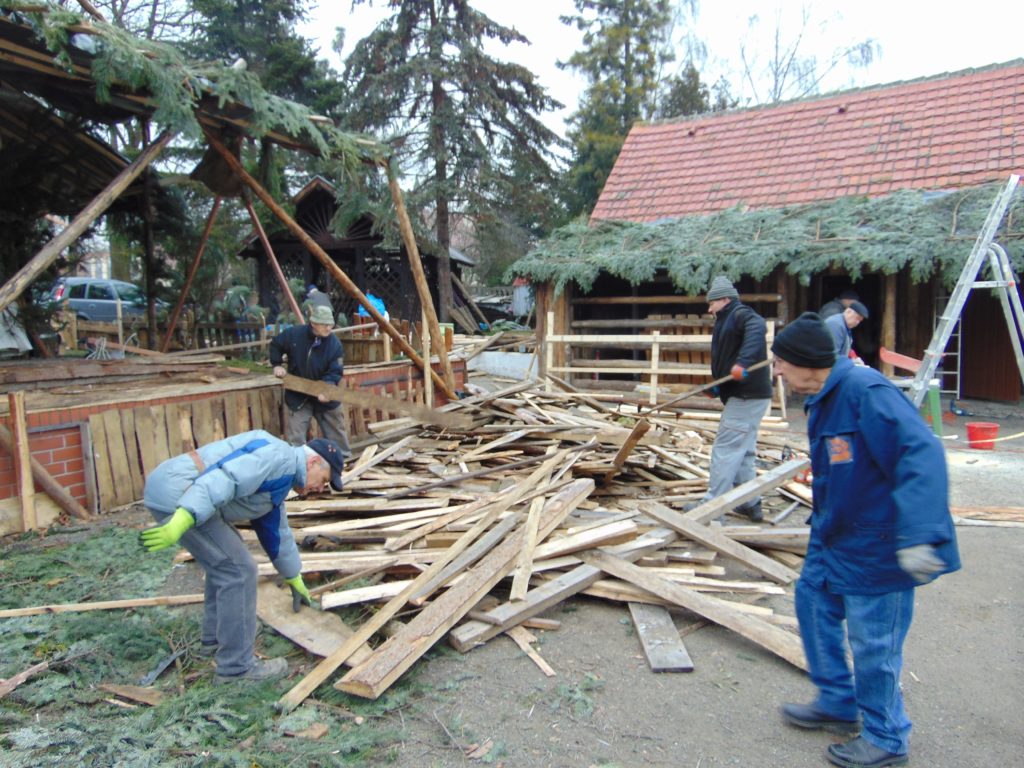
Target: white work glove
point(920, 562)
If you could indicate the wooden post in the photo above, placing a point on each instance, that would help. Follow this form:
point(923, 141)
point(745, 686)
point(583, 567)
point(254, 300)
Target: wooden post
point(889, 319)
point(193, 268)
point(655, 367)
point(22, 460)
point(278, 273)
point(418, 276)
point(343, 280)
point(53, 249)
point(428, 383)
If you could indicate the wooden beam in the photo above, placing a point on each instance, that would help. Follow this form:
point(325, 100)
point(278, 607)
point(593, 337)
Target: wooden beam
point(51, 487)
point(330, 265)
point(25, 276)
point(104, 605)
point(193, 268)
point(639, 430)
point(420, 279)
point(286, 291)
point(22, 460)
point(746, 298)
point(780, 642)
point(751, 489)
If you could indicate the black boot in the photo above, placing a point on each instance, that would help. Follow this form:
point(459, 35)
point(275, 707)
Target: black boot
point(861, 753)
point(751, 511)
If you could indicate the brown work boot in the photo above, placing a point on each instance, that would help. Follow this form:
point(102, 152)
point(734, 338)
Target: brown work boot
point(259, 672)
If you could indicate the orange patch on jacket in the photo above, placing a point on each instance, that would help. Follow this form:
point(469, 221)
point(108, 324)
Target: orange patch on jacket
point(840, 450)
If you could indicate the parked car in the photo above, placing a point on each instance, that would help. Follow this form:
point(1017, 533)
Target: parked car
point(94, 298)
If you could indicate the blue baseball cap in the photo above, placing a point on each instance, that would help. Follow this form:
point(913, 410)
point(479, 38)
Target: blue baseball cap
point(331, 453)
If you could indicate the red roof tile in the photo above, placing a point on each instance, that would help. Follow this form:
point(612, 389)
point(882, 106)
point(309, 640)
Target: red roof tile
point(961, 129)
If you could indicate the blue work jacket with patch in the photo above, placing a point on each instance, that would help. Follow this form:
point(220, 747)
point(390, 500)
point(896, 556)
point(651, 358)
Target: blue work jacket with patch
point(880, 484)
point(244, 477)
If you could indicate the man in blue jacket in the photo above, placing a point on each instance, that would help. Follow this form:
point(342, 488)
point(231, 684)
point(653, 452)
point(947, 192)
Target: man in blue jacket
point(313, 353)
point(880, 526)
point(195, 497)
point(737, 342)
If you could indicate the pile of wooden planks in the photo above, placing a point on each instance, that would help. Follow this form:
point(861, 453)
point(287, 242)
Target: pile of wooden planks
point(472, 531)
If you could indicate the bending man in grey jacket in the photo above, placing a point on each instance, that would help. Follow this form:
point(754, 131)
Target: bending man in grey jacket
point(196, 496)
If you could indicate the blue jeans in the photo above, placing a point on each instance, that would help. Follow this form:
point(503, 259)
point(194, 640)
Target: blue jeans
point(876, 626)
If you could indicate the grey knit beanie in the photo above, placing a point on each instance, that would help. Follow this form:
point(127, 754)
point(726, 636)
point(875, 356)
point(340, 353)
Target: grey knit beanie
point(721, 288)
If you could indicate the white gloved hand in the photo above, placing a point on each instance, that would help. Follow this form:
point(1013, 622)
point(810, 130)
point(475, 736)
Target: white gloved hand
point(920, 562)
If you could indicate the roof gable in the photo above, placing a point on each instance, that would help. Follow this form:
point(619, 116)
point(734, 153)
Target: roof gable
point(950, 131)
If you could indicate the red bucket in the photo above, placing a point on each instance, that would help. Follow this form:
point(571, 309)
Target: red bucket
point(981, 434)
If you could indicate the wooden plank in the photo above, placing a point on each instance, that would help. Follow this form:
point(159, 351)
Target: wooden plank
point(101, 605)
point(660, 639)
point(635, 435)
point(388, 662)
point(711, 538)
point(270, 411)
point(524, 562)
point(380, 402)
point(146, 438)
point(202, 422)
point(472, 633)
point(8, 685)
point(131, 448)
point(117, 457)
point(101, 460)
point(319, 632)
point(23, 461)
point(47, 513)
point(151, 697)
point(232, 422)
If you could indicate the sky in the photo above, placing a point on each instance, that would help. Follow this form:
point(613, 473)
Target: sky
point(916, 39)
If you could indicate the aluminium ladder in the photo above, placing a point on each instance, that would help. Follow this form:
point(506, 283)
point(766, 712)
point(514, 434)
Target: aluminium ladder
point(1004, 281)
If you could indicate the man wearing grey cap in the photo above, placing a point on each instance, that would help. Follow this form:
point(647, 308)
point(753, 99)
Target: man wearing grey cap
point(313, 353)
point(841, 327)
point(737, 343)
point(880, 526)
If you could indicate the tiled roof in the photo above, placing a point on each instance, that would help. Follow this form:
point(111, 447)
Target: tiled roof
point(954, 130)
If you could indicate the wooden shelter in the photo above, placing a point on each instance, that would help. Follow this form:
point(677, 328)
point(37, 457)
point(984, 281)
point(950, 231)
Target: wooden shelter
point(882, 189)
point(360, 253)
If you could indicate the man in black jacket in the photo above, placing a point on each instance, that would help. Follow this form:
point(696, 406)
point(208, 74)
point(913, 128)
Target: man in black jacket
point(313, 353)
point(737, 343)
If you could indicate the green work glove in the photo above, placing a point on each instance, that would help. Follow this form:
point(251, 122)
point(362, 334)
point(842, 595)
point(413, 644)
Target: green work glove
point(920, 562)
point(300, 593)
point(167, 535)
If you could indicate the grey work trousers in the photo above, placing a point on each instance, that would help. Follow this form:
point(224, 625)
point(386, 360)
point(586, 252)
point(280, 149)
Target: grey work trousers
point(229, 607)
point(331, 423)
point(735, 446)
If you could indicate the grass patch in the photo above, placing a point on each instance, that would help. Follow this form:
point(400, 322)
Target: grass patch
point(61, 717)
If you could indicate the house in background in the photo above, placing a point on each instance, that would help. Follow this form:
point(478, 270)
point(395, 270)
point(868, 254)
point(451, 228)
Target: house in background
point(882, 189)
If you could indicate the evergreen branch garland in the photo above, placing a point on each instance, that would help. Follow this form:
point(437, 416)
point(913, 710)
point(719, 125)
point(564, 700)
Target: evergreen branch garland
point(930, 233)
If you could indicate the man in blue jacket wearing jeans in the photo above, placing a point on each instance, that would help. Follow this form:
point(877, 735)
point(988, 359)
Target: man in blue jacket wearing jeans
point(737, 342)
point(880, 527)
point(196, 496)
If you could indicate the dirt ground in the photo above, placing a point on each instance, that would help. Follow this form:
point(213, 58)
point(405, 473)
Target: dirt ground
point(962, 680)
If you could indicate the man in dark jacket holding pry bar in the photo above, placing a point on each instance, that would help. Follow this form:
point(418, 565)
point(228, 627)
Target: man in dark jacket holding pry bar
point(737, 343)
point(313, 353)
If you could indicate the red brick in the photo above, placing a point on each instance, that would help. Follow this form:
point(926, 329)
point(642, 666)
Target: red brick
point(63, 454)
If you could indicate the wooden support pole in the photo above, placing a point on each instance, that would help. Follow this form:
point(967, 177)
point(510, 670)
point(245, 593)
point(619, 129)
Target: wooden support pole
point(23, 461)
point(271, 258)
point(418, 276)
point(343, 280)
point(53, 249)
point(193, 268)
point(51, 487)
point(888, 320)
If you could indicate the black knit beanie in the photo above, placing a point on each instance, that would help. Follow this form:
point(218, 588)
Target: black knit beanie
point(806, 342)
